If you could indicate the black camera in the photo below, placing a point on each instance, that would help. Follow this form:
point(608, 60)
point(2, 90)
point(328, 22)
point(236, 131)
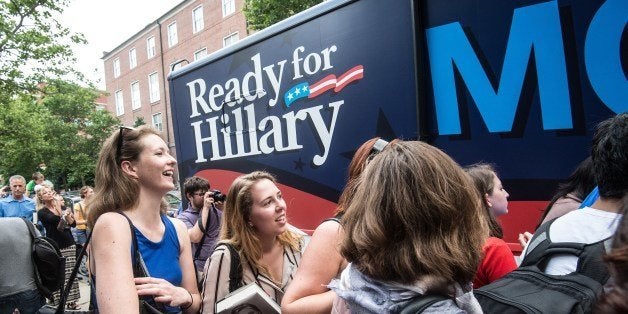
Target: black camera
point(218, 196)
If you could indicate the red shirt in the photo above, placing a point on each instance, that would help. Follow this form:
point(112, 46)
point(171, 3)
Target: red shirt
point(497, 262)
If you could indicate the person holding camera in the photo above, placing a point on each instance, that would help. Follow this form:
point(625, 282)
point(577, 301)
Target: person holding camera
point(202, 217)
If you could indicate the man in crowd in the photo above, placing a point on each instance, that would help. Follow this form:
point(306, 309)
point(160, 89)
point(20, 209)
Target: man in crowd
point(202, 218)
point(17, 204)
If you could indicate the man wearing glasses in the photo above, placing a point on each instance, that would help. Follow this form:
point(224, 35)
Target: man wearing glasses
point(202, 219)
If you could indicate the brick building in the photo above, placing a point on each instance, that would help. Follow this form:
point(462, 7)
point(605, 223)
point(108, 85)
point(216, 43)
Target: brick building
point(136, 71)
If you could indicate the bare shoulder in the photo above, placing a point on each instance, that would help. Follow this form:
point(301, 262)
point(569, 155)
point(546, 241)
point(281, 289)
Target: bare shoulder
point(179, 225)
point(327, 229)
point(111, 222)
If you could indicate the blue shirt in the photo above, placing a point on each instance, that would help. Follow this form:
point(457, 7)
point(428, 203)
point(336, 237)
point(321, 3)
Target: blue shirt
point(162, 258)
point(591, 198)
point(10, 207)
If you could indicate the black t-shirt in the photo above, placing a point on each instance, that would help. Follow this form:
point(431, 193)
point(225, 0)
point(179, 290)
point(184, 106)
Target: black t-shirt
point(51, 221)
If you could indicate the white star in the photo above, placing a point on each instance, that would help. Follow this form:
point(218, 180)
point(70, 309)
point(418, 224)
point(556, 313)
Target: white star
point(290, 96)
point(297, 92)
point(304, 89)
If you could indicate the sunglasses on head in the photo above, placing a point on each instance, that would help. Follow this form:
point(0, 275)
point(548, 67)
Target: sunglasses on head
point(379, 146)
point(120, 142)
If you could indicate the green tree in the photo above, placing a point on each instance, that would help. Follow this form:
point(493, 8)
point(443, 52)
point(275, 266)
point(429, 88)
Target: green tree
point(139, 121)
point(60, 126)
point(34, 45)
point(263, 13)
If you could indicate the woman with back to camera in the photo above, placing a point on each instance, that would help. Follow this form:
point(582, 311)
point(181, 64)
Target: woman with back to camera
point(255, 225)
point(497, 259)
point(414, 227)
point(322, 260)
point(57, 220)
point(133, 173)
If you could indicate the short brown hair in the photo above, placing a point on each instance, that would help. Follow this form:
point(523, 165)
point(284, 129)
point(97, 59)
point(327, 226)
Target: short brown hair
point(414, 214)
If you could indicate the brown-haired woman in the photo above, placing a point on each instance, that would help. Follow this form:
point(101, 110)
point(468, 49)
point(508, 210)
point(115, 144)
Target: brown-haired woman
point(133, 173)
point(415, 226)
point(256, 225)
point(322, 260)
point(497, 259)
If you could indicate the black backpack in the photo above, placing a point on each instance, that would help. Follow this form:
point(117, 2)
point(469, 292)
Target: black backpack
point(48, 262)
point(528, 290)
point(421, 303)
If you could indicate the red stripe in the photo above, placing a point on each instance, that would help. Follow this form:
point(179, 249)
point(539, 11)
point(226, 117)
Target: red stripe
point(327, 83)
point(351, 75)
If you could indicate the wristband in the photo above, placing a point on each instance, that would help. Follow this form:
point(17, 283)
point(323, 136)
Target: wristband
point(200, 223)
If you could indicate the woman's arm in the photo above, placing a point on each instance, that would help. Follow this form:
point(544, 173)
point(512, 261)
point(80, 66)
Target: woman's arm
point(111, 250)
point(187, 267)
point(321, 263)
point(216, 283)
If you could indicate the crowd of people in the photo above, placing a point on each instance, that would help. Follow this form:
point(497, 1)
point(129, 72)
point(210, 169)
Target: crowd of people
point(436, 235)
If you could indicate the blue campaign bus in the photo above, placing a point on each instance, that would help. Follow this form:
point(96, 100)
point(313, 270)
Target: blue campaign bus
point(519, 84)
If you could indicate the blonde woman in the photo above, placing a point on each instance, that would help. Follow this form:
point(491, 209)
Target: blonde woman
point(57, 220)
point(255, 224)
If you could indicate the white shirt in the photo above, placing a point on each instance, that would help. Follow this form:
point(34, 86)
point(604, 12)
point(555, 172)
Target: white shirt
point(586, 225)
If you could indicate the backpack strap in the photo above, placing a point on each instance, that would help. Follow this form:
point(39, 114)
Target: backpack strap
point(421, 303)
point(235, 272)
point(31, 228)
point(590, 263)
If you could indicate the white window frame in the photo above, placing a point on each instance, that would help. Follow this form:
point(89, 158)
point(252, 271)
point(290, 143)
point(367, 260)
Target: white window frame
point(136, 101)
point(132, 58)
point(150, 47)
point(226, 41)
point(116, 67)
point(199, 54)
point(228, 7)
point(197, 19)
point(153, 87)
point(158, 125)
point(173, 37)
point(119, 99)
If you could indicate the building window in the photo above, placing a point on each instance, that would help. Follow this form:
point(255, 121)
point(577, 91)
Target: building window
point(119, 103)
point(135, 95)
point(173, 39)
point(150, 47)
point(132, 58)
point(228, 7)
point(153, 87)
point(157, 124)
point(230, 40)
point(197, 19)
point(116, 67)
point(200, 54)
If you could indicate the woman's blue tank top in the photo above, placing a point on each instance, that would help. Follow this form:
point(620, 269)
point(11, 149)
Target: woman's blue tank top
point(161, 258)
